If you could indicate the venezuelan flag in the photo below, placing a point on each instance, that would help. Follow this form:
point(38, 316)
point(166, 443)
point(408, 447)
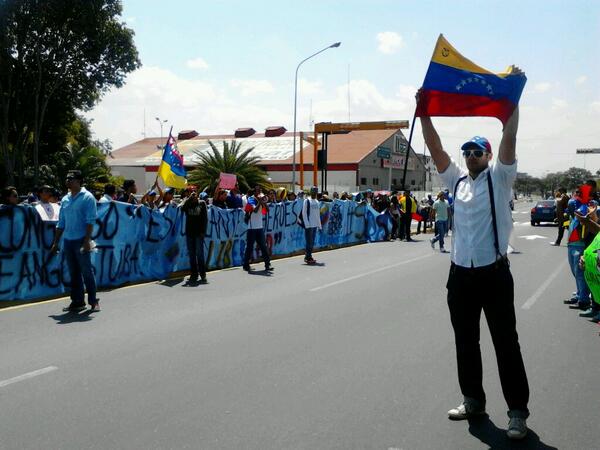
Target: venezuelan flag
point(455, 86)
point(171, 168)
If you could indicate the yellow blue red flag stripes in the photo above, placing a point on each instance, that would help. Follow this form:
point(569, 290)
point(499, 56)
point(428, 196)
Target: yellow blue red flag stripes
point(171, 168)
point(455, 86)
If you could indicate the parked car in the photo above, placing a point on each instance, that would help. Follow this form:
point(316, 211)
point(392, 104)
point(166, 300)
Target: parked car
point(543, 211)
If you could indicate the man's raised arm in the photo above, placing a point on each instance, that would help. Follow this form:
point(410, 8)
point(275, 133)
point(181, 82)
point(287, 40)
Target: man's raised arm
point(434, 144)
point(508, 144)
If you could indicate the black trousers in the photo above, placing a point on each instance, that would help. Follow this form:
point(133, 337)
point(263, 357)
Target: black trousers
point(561, 232)
point(491, 289)
point(405, 222)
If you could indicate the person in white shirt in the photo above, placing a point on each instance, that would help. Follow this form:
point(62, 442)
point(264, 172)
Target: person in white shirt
point(109, 193)
point(480, 277)
point(311, 216)
point(256, 208)
point(439, 213)
point(46, 209)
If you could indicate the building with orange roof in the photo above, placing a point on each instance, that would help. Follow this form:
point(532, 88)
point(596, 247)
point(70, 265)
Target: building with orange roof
point(353, 163)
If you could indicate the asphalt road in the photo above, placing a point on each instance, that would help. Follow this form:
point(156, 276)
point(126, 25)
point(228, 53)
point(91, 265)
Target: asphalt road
point(357, 353)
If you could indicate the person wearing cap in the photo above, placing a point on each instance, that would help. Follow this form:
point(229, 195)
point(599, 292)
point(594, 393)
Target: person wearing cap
point(311, 217)
point(75, 224)
point(439, 212)
point(256, 208)
point(167, 198)
point(149, 199)
point(480, 277)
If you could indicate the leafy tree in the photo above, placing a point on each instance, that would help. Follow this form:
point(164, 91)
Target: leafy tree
point(231, 160)
point(574, 176)
point(78, 152)
point(56, 56)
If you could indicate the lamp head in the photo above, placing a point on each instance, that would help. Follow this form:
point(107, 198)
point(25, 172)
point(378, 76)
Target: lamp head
point(337, 44)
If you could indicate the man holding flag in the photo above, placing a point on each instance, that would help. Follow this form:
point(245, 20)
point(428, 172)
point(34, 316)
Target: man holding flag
point(480, 277)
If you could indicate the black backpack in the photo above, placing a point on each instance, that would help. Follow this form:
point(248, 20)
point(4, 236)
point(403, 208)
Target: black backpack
point(301, 217)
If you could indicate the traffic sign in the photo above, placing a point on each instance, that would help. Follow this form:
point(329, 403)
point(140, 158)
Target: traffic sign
point(384, 152)
point(586, 151)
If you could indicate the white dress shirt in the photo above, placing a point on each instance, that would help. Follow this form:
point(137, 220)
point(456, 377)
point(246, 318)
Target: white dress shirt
point(472, 229)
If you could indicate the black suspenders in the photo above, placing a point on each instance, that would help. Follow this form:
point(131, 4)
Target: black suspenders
point(493, 206)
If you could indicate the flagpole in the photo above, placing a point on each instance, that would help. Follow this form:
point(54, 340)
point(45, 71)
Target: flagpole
point(163, 154)
point(412, 127)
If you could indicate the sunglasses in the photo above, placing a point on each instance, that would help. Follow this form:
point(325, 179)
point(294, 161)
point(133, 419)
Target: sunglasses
point(475, 153)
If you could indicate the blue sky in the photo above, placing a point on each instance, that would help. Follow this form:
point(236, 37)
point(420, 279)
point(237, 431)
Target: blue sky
point(216, 66)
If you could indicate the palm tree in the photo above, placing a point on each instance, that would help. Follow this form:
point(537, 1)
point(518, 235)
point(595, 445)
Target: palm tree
point(88, 159)
point(232, 160)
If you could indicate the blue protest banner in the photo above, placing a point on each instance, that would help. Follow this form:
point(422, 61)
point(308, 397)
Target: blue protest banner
point(135, 243)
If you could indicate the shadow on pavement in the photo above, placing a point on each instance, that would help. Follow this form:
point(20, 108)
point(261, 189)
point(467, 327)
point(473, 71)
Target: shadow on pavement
point(262, 273)
point(71, 317)
point(487, 432)
point(190, 283)
point(317, 264)
point(171, 282)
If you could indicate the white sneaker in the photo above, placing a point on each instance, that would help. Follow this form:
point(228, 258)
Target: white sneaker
point(466, 410)
point(517, 428)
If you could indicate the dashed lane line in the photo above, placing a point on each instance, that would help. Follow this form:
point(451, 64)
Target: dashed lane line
point(27, 376)
point(364, 274)
point(538, 293)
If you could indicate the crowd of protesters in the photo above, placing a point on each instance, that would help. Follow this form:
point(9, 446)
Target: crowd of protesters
point(577, 215)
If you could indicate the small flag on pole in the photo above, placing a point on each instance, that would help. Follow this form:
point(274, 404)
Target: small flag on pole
point(171, 168)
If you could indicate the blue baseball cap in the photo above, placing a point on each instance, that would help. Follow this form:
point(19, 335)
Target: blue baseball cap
point(477, 143)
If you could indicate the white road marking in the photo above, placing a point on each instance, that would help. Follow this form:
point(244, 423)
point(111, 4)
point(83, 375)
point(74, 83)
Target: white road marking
point(364, 274)
point(533, 237)
point(28, 375)
point(538, 293)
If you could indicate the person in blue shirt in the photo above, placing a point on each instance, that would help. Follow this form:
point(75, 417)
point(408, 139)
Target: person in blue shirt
point(75, 223)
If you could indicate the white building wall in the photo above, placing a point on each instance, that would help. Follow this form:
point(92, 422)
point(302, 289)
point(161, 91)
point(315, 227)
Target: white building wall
point(337, 180)
point(136, 173)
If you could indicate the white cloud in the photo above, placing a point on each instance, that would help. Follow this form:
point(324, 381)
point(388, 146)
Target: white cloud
point(253, 87)
point(187, 104)
point(582, 79)
point(197, 63)
point(547, 133)
point(307, 87)
point(542, 87)
point(558, 103)
point(389, 42)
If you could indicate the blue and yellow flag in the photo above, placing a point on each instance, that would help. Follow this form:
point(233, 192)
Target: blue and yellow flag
point(171, 168)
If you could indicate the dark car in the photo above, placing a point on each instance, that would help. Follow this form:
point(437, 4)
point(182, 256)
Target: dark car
point(543, 211)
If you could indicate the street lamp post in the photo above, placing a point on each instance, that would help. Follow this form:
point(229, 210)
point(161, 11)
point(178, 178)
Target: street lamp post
point(161, 122)
point(337, 44)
